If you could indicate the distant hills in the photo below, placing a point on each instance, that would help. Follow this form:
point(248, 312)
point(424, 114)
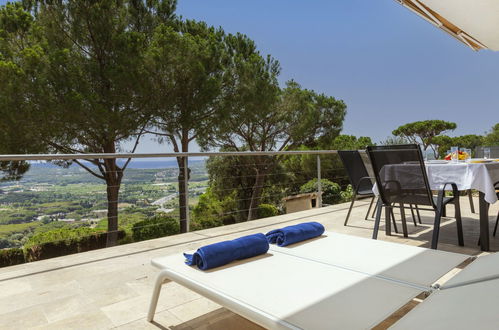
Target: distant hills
point(135, 163)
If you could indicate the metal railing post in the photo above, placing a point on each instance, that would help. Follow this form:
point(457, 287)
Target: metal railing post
point(319, 183)
point(186, 189)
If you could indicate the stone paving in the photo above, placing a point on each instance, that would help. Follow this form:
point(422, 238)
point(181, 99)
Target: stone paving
point(111, 288)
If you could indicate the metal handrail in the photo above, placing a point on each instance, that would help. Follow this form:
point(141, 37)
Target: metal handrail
point(21, 157)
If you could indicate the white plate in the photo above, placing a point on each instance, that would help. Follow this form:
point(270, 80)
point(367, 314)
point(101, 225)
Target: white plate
point(480, 161)
point(437, 161)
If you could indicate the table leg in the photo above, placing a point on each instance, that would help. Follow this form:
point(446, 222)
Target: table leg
point(484, 222)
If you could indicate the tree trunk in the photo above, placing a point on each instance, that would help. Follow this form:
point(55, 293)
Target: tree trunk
point(256, 194)
point(112, 214)
point(183, 174)
point(113, 176)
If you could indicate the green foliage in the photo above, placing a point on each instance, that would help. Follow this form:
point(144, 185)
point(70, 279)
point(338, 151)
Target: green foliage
point(187, 69)
point(492, 137)
point(393, 140)
point(350, 142)
point(19, 58)
point(76, 73)
point(232, 180)
point(445, 142)
point(23, 228)
point(209, 212)
point(267, 210)
point(58, 235)
point(304, 167)
point(347, 194)
point(158, 226)
point(331, 192)
point(186, 65)
point(269, 118)
point(423, 132)
point(10, 257)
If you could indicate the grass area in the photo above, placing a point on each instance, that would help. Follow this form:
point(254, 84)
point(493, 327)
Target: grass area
point(6, 230)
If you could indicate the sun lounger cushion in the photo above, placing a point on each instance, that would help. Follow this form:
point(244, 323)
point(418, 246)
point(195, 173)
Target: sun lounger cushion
point(293, 234)
point(222, 253)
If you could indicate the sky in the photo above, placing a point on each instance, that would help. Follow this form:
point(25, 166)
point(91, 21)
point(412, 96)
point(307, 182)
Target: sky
point(388, 65)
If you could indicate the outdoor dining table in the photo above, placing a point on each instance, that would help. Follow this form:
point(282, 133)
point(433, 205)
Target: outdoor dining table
point(479, 176)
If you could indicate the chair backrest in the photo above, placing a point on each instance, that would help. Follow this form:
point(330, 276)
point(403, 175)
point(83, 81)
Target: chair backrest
point(400, 174)
point(356, 169)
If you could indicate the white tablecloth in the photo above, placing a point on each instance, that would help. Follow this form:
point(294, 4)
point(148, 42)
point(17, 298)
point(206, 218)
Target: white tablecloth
point(466, 175)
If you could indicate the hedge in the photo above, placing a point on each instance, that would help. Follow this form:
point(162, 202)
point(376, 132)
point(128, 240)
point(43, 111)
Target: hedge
point(267, 210)
point(60, 242)
point(155, 227)
point(10, 257)
point(331, 191)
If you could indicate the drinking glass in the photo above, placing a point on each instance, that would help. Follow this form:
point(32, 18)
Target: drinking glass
point(424, 152)
point(454, 154)
point(467, 154)
point(486, 153)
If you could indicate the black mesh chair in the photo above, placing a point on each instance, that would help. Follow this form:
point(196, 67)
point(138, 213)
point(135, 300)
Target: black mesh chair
point(401, 179)
point(360, 180)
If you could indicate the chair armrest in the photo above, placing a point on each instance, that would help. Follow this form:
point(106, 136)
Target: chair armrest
point(365, 178)
point(455, 191)
point(441, 192)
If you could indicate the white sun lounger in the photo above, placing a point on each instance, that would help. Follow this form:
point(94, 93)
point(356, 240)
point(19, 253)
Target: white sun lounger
point(469, 300)
point(314, 284)
point(408, 264)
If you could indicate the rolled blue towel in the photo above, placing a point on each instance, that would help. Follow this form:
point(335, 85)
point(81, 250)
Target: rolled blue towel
point(293, 234)
point(222, 253)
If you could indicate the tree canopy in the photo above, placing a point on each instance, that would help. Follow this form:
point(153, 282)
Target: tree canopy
point(19, 61)
point(265, 117)
point(492, 137)
point(445, 142)
point(187, 64)
point(87, 68)
point(423, 132)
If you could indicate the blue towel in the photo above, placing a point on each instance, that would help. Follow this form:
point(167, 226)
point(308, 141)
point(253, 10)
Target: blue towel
point(222, 253)
point(293, 234)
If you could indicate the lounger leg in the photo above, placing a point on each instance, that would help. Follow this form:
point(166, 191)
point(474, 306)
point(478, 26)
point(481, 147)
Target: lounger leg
point(404, 223)
point(369, 209)
point(350, 209)
point(155, 295)
point(379, 208)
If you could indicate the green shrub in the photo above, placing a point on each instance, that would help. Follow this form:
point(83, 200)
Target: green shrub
point(64, 241)
point(10, 257)
point(331, 192)
point(210, 222)
point(267, 210)
point(158, 226)
point(209, 212)
point(347, 194)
